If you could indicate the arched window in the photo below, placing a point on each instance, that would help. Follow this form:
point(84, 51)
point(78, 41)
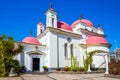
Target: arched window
point(65, 50)
point(41, 31)
point(71, 49)
point(52, 22)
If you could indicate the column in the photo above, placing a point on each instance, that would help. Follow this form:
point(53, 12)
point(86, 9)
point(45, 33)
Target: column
point(106, 60)
point(89, 68)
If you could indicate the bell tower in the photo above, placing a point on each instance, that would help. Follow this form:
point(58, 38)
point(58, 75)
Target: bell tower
point(40, 28)
point(51, 18)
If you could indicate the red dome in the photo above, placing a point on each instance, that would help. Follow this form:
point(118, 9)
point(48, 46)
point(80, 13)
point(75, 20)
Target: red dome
point(96, 40)
point(63, 25)
point(30, 40)
point(85, 21)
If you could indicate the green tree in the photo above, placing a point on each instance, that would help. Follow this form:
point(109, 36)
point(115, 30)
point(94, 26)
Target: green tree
point(8, 49)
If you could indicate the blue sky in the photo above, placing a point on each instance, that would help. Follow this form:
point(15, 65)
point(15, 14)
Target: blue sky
point(19, 17)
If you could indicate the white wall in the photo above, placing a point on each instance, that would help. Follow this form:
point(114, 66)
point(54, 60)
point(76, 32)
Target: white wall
point(62, 39)
point(28, 58)
point(98, 59)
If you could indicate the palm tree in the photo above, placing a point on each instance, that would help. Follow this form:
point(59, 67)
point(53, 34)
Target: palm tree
point(7, 51)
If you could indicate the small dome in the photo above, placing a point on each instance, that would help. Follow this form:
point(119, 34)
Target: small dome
point(99, 28)
point(96, 40)
point(63, 25)
point(41, 24)
point(85, 21)
point(30, 40)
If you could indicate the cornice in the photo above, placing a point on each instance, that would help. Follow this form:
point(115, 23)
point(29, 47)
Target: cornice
point(106, 45)
point(92, 33)
point(92, 45)
point(64, 32)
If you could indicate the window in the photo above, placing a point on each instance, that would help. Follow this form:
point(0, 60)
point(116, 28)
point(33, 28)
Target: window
point(40, 30)
point(65, 50)
point(52, 22)
point(71, 49)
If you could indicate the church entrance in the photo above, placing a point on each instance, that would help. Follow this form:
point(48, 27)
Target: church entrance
point(36, 64)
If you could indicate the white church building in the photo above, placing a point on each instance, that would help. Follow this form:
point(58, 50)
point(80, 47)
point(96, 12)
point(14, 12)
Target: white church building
point(54, 45)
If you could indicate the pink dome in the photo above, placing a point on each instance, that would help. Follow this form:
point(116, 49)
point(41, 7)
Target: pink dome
point(63, 25)
point(30, 40)
point(85, 21)
point(41, 24)
point(96, 40)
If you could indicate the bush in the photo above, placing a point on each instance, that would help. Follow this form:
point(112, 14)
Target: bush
point(81, 69)
point(22, 69)
point(10, 63)
point(66, 68)
point(114, 67)
point(58, 69)
point(15, 65)
point(74, 64)
point(44, 67)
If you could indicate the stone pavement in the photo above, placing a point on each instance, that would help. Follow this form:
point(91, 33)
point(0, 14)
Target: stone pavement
point(59, 76)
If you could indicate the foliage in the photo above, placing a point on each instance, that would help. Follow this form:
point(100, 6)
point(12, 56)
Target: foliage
point(112, 59)
point(44, 67)
point(66, 68)
point(100, 68)
point(81, 69)
point(89, 58)
point(22, 69)
point(15, 65)
point(114, 67)
point(7, 51)
point(58, 69)
point(74, 63)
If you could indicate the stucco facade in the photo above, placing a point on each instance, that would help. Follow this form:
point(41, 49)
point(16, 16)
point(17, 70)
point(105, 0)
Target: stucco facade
point(54, 45)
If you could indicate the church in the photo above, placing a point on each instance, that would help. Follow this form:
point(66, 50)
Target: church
point(54, 46)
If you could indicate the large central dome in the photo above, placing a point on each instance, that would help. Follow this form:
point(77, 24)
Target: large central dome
point(85, 21)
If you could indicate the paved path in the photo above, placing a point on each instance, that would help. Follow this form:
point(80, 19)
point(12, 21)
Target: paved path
point(59, 76)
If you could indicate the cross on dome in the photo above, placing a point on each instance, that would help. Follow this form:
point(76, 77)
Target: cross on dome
point(81, 16)
point(99, 28)
point(30, 33)
point(51, 6)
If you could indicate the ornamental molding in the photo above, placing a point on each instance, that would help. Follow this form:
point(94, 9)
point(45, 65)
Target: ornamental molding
point(106, 45)
point(65, 32)
point(92, 33)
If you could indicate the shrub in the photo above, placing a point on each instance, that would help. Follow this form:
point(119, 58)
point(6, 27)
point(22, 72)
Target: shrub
point(58, 69)
point(15, 65)
point(81, 69)
point(114, 67)
point(22, 69)
point(66, 68)
point(44, 67)
point(74, 64)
